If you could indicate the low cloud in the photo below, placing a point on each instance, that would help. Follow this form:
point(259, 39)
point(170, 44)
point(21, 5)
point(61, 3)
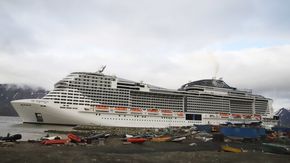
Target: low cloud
point(160, 42)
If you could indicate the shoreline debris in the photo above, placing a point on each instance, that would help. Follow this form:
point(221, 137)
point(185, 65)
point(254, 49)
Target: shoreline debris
point(227, 148)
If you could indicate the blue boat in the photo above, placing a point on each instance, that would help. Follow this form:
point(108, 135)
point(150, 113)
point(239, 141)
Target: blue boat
point(243, 132)
point(281, 129)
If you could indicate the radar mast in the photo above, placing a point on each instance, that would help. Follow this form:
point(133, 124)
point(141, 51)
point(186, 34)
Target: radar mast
point(102, 69)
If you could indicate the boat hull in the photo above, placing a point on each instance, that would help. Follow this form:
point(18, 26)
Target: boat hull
point(46, 112)
point(243, 132)
point(43, 111)
point(53, 114)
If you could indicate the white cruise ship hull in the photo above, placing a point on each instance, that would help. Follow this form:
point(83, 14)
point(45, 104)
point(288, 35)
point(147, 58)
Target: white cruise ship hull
point(46, 112)
point(49, 112)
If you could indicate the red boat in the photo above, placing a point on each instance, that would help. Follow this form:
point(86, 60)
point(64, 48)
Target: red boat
point(74, 138)
point(136, 140)
point(56, 141)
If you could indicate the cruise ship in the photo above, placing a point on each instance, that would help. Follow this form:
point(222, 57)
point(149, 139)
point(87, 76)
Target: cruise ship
point(107, 100)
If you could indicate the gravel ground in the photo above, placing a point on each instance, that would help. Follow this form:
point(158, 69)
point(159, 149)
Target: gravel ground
point(115, 151)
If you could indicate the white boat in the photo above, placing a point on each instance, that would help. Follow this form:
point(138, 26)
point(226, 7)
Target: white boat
point(99, 99)
point(178, 139)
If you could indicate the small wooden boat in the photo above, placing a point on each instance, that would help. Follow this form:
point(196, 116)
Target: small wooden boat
point(129, 136)
point(11, 138)
point(106, 136)
point(272, 136)
point(56, 141)
point(47, 137)
point(97, 136)
point(74, 138)
point(161, 139)
point(275, 148)
point(227, 148)
point(178, 139)
point(121, 110)
point(102, 108)
point(136, 140)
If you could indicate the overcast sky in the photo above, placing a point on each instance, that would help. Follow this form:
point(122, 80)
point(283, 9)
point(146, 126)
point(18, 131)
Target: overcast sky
point(162, 42)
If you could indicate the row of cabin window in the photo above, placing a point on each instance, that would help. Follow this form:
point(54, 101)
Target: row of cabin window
point(144, 120)
point(140, 95)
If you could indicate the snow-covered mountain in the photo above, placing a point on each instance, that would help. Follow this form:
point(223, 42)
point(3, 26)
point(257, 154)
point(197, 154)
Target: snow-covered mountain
point(284, 117)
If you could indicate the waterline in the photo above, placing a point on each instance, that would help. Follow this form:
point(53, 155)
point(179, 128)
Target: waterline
point(14, 125)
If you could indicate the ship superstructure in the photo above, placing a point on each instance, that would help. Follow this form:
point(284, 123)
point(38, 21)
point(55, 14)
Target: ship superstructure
point(96, 98)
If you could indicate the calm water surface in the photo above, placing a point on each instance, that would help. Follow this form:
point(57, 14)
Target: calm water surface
point(14, 125)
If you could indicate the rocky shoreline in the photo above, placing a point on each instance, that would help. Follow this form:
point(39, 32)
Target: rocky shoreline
point(197, 147)
point(114, 151)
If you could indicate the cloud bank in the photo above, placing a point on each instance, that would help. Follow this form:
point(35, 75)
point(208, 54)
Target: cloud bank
point(166, 43)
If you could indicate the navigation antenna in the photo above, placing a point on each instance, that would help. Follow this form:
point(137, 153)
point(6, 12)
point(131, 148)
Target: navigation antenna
point(101, 69)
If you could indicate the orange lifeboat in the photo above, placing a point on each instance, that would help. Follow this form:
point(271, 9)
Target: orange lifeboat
point(102, 108)
point(224, 115)
point(247, 116)
point(136, 110)
point(180, 114)
point(153, 111)
point(121, 109)
point(161, 139)
point(236, 116)
point(166, 112)
point(257, 117)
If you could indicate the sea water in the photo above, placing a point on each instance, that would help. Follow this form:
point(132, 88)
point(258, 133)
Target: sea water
point(14, 125)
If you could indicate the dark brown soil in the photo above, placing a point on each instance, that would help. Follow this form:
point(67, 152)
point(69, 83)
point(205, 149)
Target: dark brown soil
point(115, 151)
